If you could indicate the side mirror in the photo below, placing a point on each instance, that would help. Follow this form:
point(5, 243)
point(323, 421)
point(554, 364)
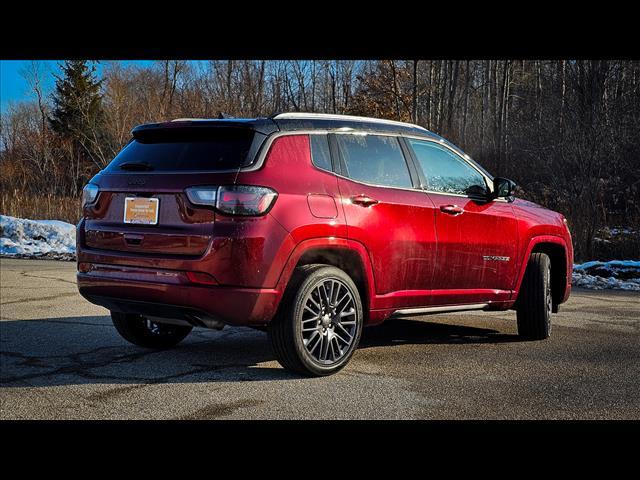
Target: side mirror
point(503, 187)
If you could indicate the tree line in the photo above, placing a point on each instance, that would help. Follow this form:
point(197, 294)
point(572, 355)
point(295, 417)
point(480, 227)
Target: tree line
point(568, 132)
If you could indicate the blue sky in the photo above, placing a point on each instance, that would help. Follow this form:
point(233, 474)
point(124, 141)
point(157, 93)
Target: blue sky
point(14, 87)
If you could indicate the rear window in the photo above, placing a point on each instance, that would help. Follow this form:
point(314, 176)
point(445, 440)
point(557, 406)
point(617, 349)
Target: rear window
point(188, 150)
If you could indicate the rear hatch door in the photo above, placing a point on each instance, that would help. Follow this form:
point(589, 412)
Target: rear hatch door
point(142, 206)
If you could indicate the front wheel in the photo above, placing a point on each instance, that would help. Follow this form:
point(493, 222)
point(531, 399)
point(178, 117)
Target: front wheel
point(143, 332)
point(535, 301)
point(320, 322)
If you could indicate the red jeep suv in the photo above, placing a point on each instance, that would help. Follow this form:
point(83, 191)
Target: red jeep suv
point(312, 226)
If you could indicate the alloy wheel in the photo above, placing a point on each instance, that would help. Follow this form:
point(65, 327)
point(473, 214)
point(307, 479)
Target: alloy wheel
point(329, 322)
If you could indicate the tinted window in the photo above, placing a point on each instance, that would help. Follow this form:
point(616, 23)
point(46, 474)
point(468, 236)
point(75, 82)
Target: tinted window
point(374, 159)
point(181, 149)
point(445, 171)
point(320, 155)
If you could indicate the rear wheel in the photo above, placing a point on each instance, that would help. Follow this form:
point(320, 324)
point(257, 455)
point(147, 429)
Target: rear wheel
point(320, 321)
point(145, 333)
point(535, 302)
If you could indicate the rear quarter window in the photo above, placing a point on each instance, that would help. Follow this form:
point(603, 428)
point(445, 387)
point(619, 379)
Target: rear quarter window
point(320, 153)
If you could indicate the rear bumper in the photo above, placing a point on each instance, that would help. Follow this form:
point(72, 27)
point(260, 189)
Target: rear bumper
point(180, 300)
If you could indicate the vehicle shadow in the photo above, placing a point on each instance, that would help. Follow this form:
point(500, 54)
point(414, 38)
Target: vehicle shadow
point(411, 331)
point(88, 350)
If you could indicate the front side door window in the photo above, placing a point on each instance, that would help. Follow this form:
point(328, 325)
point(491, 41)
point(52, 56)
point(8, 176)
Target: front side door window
point(445, 171)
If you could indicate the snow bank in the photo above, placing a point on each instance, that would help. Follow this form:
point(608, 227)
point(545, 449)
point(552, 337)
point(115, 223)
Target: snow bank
point(37, 238)
point(615, 274)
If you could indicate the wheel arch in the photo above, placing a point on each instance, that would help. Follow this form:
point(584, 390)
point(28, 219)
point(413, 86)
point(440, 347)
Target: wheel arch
point(557, 251)
point(347, 255)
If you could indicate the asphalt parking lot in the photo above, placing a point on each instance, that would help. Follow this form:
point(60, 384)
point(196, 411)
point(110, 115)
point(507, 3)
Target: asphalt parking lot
point(62, 359)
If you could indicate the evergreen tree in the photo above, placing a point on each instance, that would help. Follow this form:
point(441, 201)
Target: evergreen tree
point(78, 115)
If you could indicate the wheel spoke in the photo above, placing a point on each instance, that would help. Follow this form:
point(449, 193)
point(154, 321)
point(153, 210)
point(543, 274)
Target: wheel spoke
point(347, 314)
point(331, 292)
point(339, 337)
point(325, 348)
point(333, 353)
point(306, 307)
point(323, 296)
point(315, 335)
point(345, 332)
point(337, 294)
point(316, 304)
point(339, 302)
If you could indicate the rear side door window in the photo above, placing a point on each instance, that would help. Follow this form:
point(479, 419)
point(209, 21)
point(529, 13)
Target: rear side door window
point(374, 159)
point(445, 171)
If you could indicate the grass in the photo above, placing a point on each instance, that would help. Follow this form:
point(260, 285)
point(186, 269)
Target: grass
point(41, 207)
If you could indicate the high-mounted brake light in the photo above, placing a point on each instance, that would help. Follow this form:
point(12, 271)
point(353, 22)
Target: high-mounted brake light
point(89, 194)
point(244, 200)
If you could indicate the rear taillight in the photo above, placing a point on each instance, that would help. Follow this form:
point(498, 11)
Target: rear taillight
point(89, 194)
point(202, 195)
point(244, 200)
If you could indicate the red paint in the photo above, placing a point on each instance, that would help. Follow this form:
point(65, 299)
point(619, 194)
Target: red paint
point(322, 206)
point(398, 232)
point(413, 248)
point(464, 237)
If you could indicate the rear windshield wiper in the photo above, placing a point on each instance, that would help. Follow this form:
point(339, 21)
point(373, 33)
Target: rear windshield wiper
point(136, 166)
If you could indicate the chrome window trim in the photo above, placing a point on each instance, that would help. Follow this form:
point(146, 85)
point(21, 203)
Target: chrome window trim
point(266, 146)
point(413, 189)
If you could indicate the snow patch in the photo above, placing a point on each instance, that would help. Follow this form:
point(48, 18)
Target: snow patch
point(37, 238)
point(614, 274)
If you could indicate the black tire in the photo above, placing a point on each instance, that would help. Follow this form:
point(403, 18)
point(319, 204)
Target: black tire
point(145, 333)
point(286, 329)
point(535, 302)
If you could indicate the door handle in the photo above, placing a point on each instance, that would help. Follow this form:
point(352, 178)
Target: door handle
point(451, 209)
point(363, 200)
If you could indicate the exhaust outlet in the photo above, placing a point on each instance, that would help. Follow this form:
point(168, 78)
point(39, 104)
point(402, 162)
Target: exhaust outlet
point(206, 322)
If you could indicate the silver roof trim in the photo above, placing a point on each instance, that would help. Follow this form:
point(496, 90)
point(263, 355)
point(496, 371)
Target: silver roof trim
point(330, 116)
